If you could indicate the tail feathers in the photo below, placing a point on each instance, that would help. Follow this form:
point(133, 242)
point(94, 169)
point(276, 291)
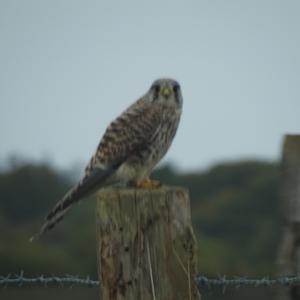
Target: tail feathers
point(57, 213)
point(84, 188)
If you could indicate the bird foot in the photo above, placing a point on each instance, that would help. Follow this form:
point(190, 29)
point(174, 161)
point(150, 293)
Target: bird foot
point(148, 184)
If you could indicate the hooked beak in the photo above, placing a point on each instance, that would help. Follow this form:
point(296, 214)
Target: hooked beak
point(166, 92)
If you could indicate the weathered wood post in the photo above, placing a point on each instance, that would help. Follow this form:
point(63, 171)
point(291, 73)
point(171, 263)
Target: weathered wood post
point(289, 254)
point(145, 244)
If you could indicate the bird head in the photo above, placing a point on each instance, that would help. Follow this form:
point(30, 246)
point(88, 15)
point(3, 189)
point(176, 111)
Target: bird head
point(166, 92)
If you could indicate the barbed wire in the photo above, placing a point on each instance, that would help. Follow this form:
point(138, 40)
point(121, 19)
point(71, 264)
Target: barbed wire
point(20, 280)
point(237, 282)
point(67, 280)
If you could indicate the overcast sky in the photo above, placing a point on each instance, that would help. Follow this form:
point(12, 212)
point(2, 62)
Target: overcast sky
point(67, 68)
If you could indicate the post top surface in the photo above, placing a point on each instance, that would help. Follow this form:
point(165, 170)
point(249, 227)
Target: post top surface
point(132, 190)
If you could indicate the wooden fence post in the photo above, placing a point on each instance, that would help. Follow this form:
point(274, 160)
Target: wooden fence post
point(289, 252)
point(145, 244)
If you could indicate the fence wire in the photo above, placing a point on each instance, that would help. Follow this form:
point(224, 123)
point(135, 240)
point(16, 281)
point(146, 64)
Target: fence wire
point(19, 280)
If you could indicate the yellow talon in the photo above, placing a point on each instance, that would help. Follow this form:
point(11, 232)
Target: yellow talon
point(148, 184)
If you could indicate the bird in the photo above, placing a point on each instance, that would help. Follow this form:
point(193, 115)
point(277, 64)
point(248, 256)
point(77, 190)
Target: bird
point(130, 148)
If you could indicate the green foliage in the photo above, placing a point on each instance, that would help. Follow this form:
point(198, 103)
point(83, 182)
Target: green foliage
point(234, 211)
point(27, 191)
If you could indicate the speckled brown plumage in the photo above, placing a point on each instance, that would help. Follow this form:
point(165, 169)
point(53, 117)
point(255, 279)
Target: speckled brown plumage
point(131, 146)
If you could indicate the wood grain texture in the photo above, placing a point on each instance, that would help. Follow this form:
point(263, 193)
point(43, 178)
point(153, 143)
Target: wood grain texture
point(145, 244)
point(289, 249)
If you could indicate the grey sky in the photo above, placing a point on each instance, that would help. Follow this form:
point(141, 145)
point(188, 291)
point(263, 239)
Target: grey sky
point(67, 68)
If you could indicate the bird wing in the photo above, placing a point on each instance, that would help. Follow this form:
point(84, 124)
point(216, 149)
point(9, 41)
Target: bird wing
point(134, 129)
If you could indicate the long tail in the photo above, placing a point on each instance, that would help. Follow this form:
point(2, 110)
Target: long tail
point(84, 188)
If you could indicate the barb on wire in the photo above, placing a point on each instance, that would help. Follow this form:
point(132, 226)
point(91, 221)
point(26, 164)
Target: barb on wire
point(202, 281)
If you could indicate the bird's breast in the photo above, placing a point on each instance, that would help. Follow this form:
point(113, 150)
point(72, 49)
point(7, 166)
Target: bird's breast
point(164, 137)
point(141, 163)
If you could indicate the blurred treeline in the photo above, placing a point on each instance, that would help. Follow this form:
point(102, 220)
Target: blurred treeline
point(234, 211)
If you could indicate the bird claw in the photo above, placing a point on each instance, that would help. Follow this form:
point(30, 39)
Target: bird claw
point(148, 184)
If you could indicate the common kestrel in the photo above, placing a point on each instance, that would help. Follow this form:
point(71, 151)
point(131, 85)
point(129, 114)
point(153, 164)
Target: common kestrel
point(130, 147)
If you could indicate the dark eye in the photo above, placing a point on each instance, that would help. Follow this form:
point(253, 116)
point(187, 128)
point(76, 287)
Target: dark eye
point(156, 89)
point(176, 88)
